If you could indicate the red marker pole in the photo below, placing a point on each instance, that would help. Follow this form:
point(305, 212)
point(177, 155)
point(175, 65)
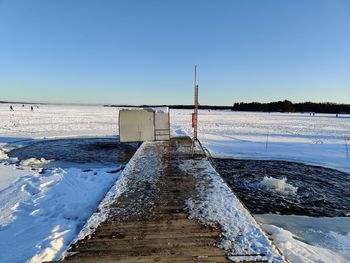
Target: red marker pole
point(195, 114)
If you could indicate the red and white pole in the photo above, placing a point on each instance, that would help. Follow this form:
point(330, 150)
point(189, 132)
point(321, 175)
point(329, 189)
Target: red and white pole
point(195, 114)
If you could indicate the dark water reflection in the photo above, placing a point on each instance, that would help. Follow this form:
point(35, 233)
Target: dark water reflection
point(104, 151)
point(319, 191)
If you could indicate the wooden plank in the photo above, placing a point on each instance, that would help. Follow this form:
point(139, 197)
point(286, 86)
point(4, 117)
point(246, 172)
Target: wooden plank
point(162, 232)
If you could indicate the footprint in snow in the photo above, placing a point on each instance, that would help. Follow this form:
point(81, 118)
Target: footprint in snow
point(29, 188)
point(22, 208)
point(25, 207)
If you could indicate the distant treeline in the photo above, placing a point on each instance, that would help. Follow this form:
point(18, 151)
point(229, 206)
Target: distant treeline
point(278, 106)
point(288, 106)
point(186, 107)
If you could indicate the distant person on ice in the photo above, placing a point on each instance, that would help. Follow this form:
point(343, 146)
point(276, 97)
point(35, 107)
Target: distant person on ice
point(11, 108)
point(31, 108)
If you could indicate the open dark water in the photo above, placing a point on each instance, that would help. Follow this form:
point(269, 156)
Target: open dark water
point(287, 187)
point(102, 151)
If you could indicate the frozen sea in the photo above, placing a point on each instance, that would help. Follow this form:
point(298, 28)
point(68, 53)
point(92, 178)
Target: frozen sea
point(314, 142)
point(38, 194)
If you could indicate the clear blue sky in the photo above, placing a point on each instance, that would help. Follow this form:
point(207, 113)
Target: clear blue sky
point(138, 51)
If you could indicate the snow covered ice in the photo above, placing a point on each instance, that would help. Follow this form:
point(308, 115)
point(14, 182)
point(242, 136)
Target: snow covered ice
point(43, 210)
point(316, 140)
point(42, 213)
point(310, 239)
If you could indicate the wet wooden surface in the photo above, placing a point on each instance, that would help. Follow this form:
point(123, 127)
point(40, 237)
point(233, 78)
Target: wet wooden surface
point(160, 232)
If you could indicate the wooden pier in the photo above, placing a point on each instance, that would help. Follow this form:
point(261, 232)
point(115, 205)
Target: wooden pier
point(149, 222)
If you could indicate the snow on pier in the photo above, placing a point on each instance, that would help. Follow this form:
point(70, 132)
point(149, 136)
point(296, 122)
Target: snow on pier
point(171, 206)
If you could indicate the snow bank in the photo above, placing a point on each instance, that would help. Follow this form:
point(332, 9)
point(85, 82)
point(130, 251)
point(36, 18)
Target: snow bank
point(299, 252)
point(9, 174)
point(310, 239)
point(241, 235)
point(42, 213)
point(3, 154)
point(33, 162)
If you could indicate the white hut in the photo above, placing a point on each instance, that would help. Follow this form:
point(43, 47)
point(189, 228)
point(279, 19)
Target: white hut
point(149, 124)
